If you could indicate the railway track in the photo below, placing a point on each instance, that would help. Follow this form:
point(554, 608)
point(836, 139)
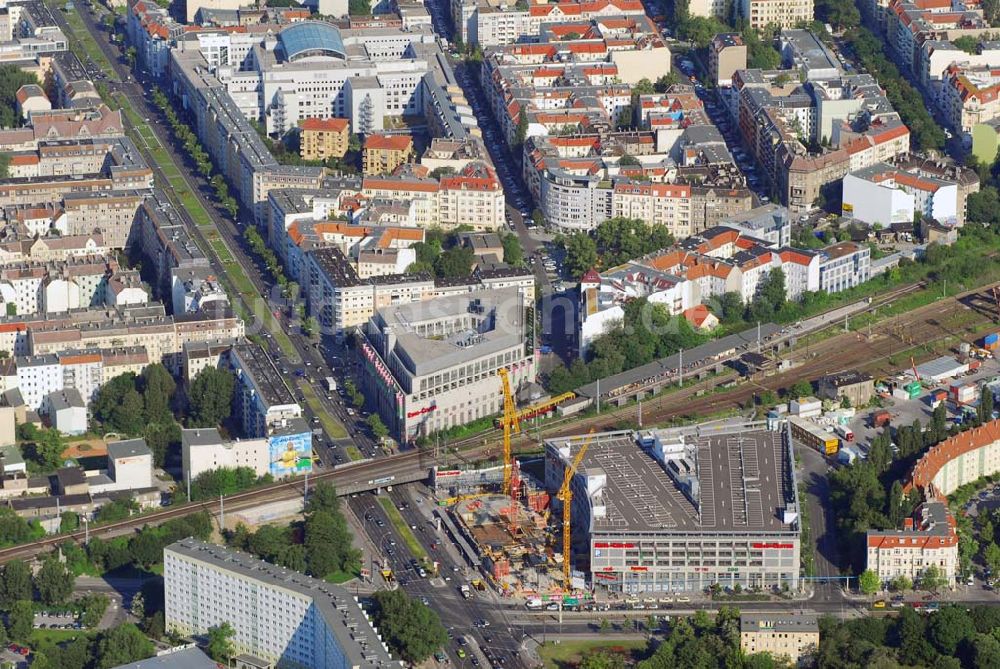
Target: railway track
point(835, 354)
point(274, 492)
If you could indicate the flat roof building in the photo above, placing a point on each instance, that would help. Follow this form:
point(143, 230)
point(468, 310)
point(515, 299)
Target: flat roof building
point(432, 365)
point(186, 658)
point(279, 615)
point(856, 386)
point(669, 511)
point(263, 401)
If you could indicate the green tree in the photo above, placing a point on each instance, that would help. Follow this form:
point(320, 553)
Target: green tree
point(16, 583)
point(44, 452)
point(901, 583)
point(93, 606)
point(948, 628)
point(521, 132)
point(129, 415)
point(359, 7)
point(378, 428)
point(5, 166)
point(412, 630)
point(985, 408)
point(21, 619)
point(54, 582)
point(68, 521)
point(211, 397)
point(220, 645)
point(123, 644)
point(581, 253)
point(157, 393)
point(11, 79)
point(323, 497)
point(869, 582)
point(456, 262)
point(931, 579)
point(325, 536)
point(513, 254)
point(991, 556)
point(116, 510)
point(799, 389)
point(985, 652)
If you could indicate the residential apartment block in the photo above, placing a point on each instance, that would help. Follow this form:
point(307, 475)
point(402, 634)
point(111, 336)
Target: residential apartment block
point(341, 300)
point(700, 268)
point(279, 616)
point(492, 22)
point(322, 138)
point(262, 401)
point(844, 265)
point(778, 119)
point(885, 194)
point(783, 635)
point(928, 538)
point(782, 13)
point(384, 153)
point(726, 54)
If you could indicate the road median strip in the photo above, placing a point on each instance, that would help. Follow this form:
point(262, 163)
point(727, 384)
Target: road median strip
point(399, 523)
point(331, 425)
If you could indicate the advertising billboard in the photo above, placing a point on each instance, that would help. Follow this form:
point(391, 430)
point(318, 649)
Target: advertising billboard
point(290, 454)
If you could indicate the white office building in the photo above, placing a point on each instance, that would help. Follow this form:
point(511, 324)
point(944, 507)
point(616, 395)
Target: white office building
point(279, 616)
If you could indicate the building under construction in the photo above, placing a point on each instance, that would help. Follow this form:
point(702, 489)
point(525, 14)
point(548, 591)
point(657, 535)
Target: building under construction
point(509, 533)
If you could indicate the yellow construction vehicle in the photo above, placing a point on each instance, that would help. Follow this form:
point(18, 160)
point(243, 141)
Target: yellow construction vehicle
point(565, 496)
point(511, 425)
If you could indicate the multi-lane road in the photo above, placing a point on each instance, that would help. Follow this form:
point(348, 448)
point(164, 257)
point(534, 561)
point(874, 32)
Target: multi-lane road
point(307, 356)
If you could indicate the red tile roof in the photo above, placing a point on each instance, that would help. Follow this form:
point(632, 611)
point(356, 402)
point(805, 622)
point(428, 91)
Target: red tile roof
point(389, 142)
point(325, 124)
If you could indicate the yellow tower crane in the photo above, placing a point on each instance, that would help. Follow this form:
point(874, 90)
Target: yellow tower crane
point(511, 425)
point(565, 496)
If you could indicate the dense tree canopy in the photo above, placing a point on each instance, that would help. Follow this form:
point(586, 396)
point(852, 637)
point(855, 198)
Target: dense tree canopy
point(225, 481)
point(924, 130)
point(646, 333)
point(54, 582)
point(412, 630)
point(12, 78)
point(613, 242)
point(210, 400)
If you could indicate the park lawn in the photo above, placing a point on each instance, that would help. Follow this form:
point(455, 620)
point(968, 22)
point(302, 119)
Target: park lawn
point(404, 530)
point(340, 577)
point(330, 424)
point(43, 639)
point(568, 653)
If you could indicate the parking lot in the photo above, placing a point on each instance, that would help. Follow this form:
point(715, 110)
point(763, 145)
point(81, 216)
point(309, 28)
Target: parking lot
point(56, 620)
point(904, 412)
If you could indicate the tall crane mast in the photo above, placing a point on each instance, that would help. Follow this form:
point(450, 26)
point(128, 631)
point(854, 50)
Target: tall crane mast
point(565, 496)
point(511, 425)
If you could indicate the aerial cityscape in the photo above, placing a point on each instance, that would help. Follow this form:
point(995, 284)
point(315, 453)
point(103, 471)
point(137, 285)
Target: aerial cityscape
point(492, 334)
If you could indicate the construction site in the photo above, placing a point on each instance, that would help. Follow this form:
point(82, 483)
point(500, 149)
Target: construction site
point(505, 514)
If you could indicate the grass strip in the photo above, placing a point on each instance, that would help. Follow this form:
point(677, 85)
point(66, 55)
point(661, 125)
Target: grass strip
point(404, 530)
point(330, 424)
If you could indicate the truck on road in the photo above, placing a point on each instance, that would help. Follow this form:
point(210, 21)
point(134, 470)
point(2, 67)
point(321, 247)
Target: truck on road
point(331, 383)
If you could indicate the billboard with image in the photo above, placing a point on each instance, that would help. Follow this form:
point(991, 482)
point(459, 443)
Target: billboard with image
point(290, 454)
